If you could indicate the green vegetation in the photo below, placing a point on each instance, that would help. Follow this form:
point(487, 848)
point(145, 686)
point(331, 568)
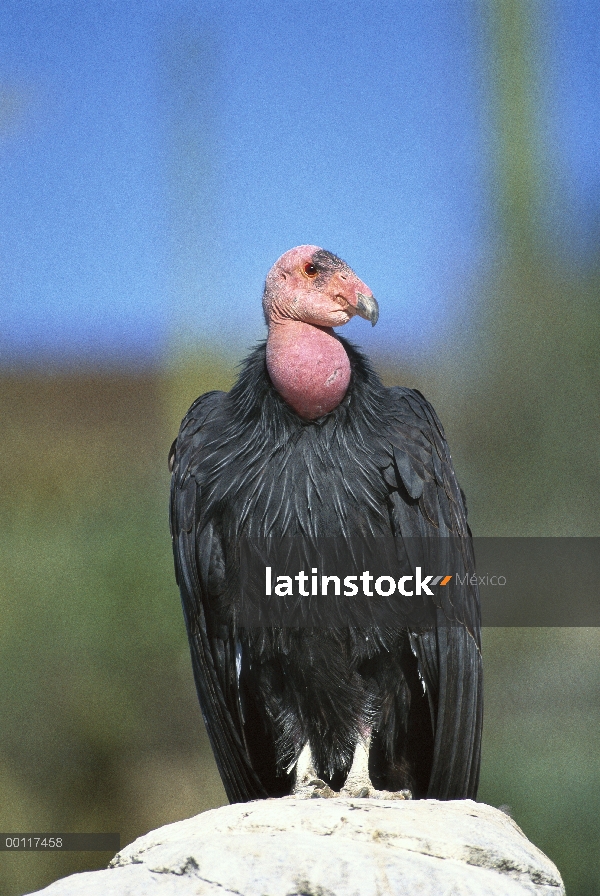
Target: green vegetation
point(100, 724)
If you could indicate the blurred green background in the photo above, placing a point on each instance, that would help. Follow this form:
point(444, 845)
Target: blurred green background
point(100, 727)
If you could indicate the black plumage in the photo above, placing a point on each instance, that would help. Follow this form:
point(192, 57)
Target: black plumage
point(246, 465)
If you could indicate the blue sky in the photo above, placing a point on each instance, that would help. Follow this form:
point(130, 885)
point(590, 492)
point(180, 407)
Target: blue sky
point(157, 157)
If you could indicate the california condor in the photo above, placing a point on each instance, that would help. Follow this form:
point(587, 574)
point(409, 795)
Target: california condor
point(310, 444)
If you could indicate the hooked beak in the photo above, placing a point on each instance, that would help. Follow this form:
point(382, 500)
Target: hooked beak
point(367, 307)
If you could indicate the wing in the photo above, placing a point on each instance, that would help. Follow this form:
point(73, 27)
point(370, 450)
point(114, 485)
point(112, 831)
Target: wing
point(200, 574)
point(427, 503)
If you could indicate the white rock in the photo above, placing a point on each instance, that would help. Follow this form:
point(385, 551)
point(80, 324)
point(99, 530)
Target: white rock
point(333, 847)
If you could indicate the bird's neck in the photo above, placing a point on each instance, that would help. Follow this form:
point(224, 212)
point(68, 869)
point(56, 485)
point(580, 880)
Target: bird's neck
point(308, 366)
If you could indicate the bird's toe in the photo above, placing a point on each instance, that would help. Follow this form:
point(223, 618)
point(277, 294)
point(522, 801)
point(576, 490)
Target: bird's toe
point(367, 791)
point(312, 788)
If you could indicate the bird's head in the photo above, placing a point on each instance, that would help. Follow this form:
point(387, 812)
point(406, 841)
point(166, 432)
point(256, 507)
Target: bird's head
point(316, 287)
point(309, 291)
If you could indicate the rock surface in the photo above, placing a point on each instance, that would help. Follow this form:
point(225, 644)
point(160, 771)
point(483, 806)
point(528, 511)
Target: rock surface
point(334, 847)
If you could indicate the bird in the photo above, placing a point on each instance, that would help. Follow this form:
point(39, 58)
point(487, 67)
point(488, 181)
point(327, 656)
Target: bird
point(309, 444)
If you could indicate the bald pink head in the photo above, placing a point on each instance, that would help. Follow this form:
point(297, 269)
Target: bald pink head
point(307, 292)
point(312, 285)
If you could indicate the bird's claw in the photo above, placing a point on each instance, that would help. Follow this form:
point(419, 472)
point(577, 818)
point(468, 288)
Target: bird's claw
point(364, 791)
point(313, 788)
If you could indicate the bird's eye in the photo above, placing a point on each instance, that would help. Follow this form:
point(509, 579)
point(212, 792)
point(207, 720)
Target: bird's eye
point(310, 270)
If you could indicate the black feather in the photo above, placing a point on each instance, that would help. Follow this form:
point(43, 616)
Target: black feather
point(246, 466)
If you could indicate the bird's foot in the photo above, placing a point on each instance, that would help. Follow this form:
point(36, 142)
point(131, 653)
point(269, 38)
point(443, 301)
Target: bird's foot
point(308, 784)
point(365, 790)
point(358, 783)
point(311, 788)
